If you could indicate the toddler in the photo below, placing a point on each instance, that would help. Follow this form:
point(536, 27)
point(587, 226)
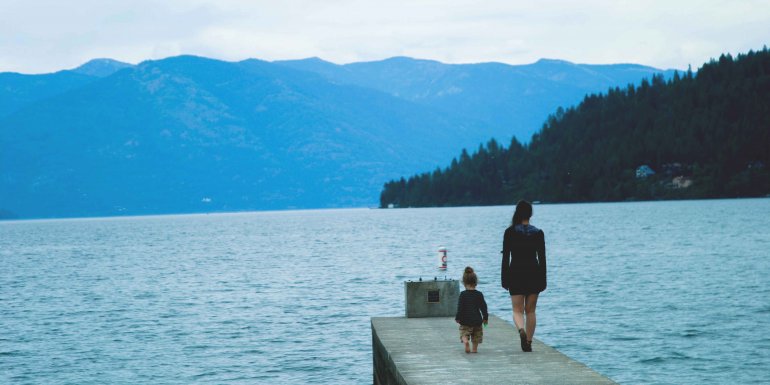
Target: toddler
point(471, 312)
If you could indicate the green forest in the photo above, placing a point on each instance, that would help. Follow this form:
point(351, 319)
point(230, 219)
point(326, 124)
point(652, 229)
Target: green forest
point(702, 135)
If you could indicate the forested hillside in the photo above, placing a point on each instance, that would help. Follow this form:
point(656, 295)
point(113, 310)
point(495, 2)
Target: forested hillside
point(192, 134)
point(693, 136)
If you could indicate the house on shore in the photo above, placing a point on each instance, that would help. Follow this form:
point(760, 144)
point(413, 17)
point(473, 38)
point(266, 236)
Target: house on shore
point(644, 171)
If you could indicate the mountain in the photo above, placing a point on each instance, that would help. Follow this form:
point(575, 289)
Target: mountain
point(191, 134)
point(101, 67)
point(511, 100)
point(694, 136)
point(19, 90)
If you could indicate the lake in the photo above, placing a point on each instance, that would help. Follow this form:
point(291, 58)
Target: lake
point(647, 292)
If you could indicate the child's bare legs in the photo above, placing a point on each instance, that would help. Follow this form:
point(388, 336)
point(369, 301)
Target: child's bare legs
point(467, 347)
point(475, 347)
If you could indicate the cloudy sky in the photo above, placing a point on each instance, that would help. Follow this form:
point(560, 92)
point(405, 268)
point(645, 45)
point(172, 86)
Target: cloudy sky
point(46, 35)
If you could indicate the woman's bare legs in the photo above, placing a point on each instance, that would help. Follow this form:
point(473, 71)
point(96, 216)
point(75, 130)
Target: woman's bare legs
point(517, 301)
point(529, 307)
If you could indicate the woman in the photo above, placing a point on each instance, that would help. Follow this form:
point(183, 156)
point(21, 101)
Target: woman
point(523, 272)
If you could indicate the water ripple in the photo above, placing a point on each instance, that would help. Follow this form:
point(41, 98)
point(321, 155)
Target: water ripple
point(286, 297)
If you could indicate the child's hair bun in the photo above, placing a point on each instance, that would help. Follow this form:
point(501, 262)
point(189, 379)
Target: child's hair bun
point(469, 277)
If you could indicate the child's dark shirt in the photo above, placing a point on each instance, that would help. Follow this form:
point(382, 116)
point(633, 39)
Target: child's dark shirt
point(471, 308)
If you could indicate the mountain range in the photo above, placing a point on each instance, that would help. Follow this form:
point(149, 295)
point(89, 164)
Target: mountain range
point(193, 134)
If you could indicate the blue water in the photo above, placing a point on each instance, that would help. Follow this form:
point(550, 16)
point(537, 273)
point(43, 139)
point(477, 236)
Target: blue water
point(651, 292)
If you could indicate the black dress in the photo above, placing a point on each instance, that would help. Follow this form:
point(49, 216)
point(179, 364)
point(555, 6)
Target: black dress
point(523, 270)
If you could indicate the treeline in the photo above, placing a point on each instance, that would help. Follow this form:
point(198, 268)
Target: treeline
point(704, 136)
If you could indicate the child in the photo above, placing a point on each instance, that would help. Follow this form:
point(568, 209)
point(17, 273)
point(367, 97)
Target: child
point(471, 311)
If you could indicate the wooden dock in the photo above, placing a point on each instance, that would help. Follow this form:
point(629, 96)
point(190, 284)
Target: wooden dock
point(422, 351)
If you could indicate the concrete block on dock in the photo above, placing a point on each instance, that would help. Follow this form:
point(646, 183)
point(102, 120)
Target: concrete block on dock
point(436, 298)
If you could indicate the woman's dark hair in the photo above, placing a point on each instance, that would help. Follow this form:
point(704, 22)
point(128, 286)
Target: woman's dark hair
point(523, 211)
point(469, 277)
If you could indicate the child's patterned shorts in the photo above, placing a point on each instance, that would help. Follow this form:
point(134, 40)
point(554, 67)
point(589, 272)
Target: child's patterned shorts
point(474, 333)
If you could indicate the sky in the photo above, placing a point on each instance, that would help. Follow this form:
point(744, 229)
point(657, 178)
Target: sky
point(49, 35)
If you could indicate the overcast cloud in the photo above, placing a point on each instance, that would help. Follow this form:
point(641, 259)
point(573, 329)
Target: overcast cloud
point(45, 36)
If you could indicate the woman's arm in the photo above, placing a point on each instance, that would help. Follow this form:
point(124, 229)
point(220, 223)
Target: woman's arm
point(541, 259)
point(506, 261)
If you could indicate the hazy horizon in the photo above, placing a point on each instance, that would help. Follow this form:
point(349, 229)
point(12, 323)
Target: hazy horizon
point(46, 36)
point(694, 67)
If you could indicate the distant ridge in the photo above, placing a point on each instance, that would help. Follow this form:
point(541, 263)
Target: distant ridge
point(101, 67)
point(193, 134)
point(511, 100)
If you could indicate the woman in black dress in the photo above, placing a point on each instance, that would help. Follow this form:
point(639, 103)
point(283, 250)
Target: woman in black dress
point(523, 272)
